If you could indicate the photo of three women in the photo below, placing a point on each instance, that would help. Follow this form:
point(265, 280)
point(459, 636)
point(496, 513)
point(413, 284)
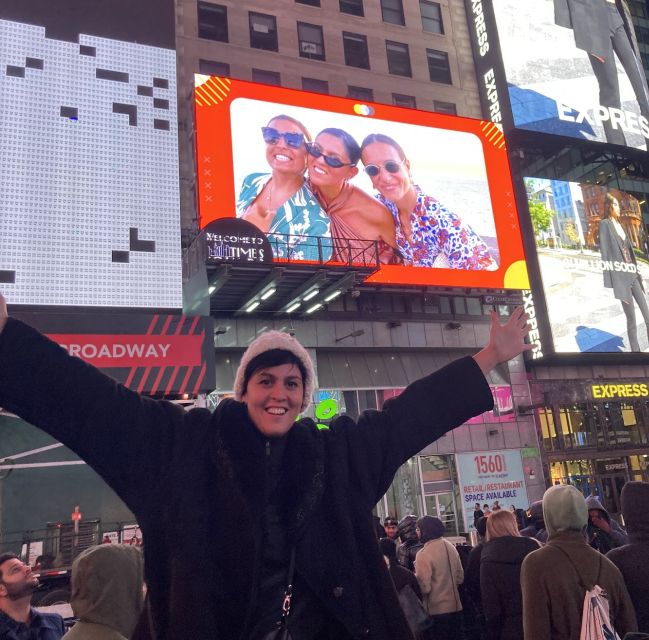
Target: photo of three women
point(307, 193)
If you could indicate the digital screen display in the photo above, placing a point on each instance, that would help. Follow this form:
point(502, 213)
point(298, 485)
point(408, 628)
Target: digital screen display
point(90, 212)
point(593, 261)
point(574, 69)
point(430, 195)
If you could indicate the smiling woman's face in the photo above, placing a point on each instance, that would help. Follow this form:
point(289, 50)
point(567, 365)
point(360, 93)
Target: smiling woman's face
point(392, 186)
point(280, 156)
point(320, 173)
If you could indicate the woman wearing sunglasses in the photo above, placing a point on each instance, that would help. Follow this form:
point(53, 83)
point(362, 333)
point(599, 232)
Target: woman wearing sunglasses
point(357, 219)
point(427, 233)
point(280, 203)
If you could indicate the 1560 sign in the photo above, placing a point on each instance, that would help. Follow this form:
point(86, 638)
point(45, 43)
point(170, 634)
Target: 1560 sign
point(490, 464)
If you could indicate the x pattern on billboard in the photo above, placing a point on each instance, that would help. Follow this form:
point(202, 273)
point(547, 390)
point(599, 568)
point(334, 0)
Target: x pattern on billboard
point(573, 68)
point(90, 212)
point(593, 260)
point(453, 189)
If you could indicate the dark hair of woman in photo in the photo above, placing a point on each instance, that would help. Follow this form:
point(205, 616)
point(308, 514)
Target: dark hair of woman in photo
point(357, 220)
point(270, 499)
point(427, 233)
point(500, 570)
point(280, 203)
point(621, 269)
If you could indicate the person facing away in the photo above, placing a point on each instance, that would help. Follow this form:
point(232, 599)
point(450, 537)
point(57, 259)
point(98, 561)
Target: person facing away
point(107, 592)
point(410, 543)
point(439, 571)
point(500, 576)
point(18, 620)
point(555, 578)
point(632, 559)
point(268, 486)
point(535, 525)
point(401, 576)
point(604, 533)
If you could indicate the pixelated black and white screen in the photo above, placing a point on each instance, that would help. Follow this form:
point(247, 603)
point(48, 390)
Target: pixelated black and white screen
point(89, 204)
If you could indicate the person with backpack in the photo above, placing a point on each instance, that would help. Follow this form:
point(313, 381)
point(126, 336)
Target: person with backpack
point(556, 578)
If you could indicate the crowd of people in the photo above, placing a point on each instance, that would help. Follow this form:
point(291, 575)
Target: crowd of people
point(528, 575)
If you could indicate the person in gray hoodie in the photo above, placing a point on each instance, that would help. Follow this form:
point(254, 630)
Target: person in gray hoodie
point(107, 592)
point(604, 533)
point(554, 579)
point(633, 559)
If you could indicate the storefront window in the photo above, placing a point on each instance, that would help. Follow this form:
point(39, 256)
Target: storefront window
point(579, 426)
point(440, 491)
point(548, 431)
point(404, 496)
point(639, 468)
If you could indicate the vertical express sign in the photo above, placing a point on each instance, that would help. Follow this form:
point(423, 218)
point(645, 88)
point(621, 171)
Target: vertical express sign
point(492, 83)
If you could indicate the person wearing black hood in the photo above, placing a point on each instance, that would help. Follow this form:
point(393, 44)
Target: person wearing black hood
point(603, 532)
point(633, 559)
point(410, 543)
point(536, 525)
point(439, 571)
point(500, 576)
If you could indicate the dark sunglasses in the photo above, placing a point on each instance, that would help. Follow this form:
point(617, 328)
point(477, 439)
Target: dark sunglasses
point(272, 136)
point(391, 166)
point(334, 163)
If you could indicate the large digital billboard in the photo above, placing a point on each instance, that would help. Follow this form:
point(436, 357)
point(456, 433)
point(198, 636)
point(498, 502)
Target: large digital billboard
point(572, 67)
point(89, 212)
point(431, 195)
point(593, 260)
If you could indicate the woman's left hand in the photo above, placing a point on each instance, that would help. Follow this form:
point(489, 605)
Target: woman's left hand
point(506, 341)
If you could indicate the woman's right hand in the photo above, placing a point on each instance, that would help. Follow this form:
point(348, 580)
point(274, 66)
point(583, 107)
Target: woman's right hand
point(4, 314)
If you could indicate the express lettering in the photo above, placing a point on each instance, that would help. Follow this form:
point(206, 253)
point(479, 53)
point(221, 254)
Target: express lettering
point(492, 96)
point(480, 28)
point(534, 334)
point(625, 120)
point(620, 390)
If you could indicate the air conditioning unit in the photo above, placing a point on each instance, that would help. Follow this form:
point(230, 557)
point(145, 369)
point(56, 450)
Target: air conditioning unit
point(309, 47)
point(260, 28)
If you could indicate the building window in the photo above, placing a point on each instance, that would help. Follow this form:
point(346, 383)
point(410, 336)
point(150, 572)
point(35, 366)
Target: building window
point(360, 93)
point(266, 77)
point(400, 100)
point(438, 66)
point(398, 58)
point(431, 16)
point(356, 53)
point(312, 3)
point(392, 11)
point(355, 7)
point(444, 107)
point(263, 31)
point(315, 85)
point(311, 41)
point(213, 68)
point(212, 21)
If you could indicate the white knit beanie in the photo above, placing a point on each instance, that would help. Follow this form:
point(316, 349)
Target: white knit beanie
point(277, 340)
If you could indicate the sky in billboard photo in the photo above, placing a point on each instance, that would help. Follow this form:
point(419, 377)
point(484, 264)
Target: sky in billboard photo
point(584, 304)
point(552, 83)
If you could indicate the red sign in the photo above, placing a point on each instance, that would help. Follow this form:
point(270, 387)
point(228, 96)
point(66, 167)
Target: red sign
point(115, 351)
point(458, 167)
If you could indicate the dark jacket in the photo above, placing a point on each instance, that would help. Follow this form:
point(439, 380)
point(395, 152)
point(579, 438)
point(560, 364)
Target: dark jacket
point(601, 540)
point(553, 597)
point(176, 469)
point(633, 559)
point(402, 577)
point(500, 585)
point(613, 248)
point(43, 626)
point(472, 577)
point(589, 21)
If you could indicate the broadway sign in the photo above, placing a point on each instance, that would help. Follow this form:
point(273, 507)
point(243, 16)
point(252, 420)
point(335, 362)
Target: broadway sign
point(153, 354)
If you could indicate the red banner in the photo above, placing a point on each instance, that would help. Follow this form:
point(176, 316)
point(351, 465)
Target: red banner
point(115, 351)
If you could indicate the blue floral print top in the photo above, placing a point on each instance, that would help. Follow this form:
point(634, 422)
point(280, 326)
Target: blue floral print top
point(439, 237)
point(297, 223)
